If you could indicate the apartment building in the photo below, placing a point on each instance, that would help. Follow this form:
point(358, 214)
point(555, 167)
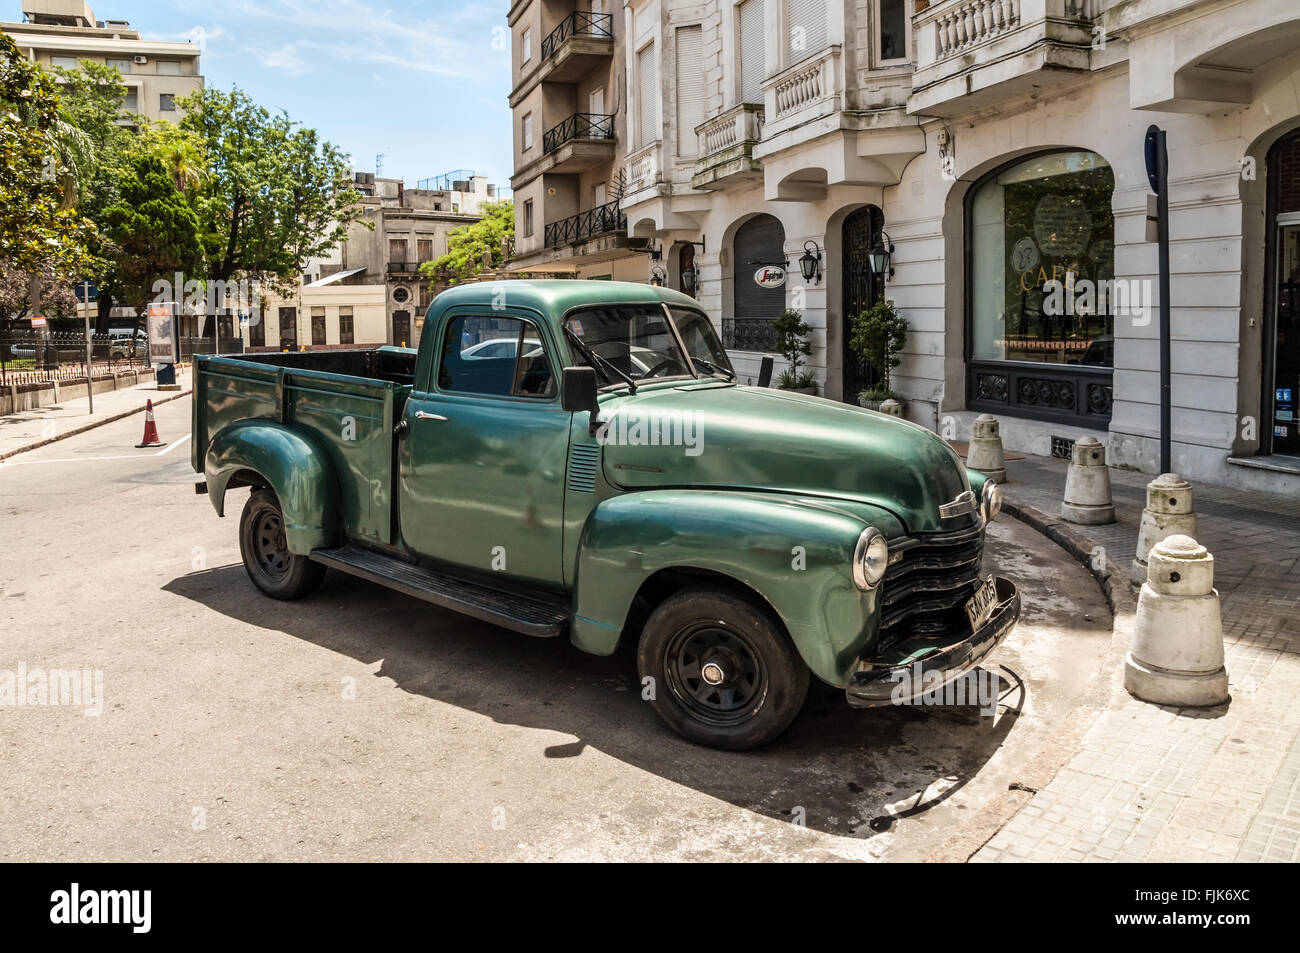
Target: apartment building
point(370, 290)
point(967, 159)
point(157, 74)
point(568, 101)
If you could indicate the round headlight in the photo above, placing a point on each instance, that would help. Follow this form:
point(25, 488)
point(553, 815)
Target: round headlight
point(990, 501)
point(870, 558)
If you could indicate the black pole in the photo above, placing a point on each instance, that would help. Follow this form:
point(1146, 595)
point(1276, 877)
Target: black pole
point(1162, 212)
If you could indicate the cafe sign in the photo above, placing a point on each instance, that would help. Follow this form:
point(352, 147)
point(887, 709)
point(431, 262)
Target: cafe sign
point(770, 276)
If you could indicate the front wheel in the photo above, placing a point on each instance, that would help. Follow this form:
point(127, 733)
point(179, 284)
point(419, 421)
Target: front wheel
point(276, 571)
point(723, 672)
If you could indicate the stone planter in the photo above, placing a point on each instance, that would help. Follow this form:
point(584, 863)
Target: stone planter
point(895, 409)
point(800, 390)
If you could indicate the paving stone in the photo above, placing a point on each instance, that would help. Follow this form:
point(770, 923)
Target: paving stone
point(1152, 783)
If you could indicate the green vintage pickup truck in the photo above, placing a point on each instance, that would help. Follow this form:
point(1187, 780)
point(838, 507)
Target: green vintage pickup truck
point(577, 457)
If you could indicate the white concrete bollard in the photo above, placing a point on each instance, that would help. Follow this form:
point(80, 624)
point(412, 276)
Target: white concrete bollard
point(985, 453)
point(1087, 485)
point(891, 407)
point(1168, 513)
point(1177, 652)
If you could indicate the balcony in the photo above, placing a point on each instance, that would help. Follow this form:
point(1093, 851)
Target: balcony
point(973, 53)
point(727, 148)
point(804, 93)
point(596, 222)
point(581, 142)
point(580, 41)
point(404, 267)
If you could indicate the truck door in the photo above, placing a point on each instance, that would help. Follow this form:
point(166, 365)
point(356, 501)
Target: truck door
point(481, 469)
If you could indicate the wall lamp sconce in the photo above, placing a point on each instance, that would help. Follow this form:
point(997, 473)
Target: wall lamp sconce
point(658, 276)
point(881, 257)
point(810, 263)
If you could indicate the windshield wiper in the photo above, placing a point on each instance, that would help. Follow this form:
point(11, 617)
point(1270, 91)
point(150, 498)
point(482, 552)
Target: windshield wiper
point(710, 366)
point(598, 362)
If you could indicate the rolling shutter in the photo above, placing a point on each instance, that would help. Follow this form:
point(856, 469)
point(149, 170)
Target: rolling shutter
point(690, 88)
point(805, 29)
point(753, 68)
point(758, 242)
point(647, 119)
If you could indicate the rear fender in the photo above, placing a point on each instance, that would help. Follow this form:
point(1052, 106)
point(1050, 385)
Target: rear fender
point(292, 465)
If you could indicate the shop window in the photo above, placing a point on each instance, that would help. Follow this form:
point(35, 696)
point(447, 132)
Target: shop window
point(1042, 296)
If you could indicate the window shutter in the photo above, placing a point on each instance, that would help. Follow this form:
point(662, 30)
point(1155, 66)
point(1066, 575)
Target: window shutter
point(648, 94)
point(753, 68)
point(690, 88)
point(805, 22)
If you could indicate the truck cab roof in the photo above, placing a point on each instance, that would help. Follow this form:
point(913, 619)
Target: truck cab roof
point(554, 297)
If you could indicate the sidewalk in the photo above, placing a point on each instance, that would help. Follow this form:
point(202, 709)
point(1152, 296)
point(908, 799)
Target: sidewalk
point(29, 429)
point(1163, 784)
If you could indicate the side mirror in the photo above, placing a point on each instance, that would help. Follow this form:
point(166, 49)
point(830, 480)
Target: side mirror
point(580, 387)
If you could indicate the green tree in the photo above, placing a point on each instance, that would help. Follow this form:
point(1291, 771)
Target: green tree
point(877, 336)
point(274, 196)
point(91, 100)
point(38, 229)
point(474, 248)
point(154, 229)
point(792, 343)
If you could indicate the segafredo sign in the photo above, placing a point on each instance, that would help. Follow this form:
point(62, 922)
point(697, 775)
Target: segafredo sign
point(770, 276)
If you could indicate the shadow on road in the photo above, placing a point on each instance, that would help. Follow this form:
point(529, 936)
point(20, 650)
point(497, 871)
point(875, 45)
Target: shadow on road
point(851, 773)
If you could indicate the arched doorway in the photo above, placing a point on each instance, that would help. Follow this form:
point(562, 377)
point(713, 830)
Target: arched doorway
point(1282, 337)
point(861, 288)
point(759, 246)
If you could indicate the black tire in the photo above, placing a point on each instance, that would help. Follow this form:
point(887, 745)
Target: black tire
point(279, 573)
point(763, 681)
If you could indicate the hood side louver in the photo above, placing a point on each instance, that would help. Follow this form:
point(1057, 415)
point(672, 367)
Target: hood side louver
point(584, 461)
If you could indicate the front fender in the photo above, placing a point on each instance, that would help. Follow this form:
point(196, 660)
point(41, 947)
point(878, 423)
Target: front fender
point(794, 552)
point(292, 465)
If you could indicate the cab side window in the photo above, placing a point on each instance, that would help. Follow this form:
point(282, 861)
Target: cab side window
point(495, 357)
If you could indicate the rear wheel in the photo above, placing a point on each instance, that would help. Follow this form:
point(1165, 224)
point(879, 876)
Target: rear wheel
point(279, 573)
point(724, 673)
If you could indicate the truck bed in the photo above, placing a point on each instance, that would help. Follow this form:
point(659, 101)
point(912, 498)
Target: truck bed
point(347, 401)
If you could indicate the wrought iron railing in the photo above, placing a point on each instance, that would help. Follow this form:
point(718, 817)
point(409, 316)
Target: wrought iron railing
point(578, 23)
point(578, 126)
point(33, 357)
point(404, 267)
point(601, 220)
point(748, 334)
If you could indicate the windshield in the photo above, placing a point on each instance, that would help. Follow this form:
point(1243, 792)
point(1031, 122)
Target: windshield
point(636, 341)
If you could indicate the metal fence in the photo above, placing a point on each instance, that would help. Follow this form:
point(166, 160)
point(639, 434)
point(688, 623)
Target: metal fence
point(36, 357)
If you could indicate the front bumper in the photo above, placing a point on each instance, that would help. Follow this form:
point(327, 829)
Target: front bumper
point(891, 680)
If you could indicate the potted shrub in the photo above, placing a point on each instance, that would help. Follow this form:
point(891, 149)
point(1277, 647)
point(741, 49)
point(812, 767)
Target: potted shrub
point(877, 336)
point(792, 344)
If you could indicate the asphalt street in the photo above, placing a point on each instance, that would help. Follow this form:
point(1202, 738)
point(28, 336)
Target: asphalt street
point(360, 724)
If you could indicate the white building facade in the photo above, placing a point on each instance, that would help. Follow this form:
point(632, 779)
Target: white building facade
point(996, 147)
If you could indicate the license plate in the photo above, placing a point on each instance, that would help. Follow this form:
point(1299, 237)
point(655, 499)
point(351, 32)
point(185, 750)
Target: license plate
point(980, 606)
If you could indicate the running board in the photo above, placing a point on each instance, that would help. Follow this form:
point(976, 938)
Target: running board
point(529, 615)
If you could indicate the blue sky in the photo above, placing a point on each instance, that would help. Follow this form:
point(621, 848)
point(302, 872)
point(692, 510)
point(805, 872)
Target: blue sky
point(425, 83)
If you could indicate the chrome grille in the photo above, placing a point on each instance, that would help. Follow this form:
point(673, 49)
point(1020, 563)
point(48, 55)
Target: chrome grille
point(925, 592)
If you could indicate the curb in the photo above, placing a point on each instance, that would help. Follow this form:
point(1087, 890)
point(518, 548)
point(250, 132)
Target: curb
point(91, 426)
point(1107, 688)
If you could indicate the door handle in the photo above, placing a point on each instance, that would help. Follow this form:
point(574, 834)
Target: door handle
point(421, 415)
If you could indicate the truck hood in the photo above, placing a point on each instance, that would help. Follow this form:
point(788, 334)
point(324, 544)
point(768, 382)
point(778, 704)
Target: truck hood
point(747, 438)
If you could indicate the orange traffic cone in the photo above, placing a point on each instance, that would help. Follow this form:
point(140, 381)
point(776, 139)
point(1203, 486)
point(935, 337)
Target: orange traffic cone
point(150, 428)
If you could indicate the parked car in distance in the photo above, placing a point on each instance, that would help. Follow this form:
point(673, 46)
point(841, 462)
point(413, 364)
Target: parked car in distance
point(762, 539)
